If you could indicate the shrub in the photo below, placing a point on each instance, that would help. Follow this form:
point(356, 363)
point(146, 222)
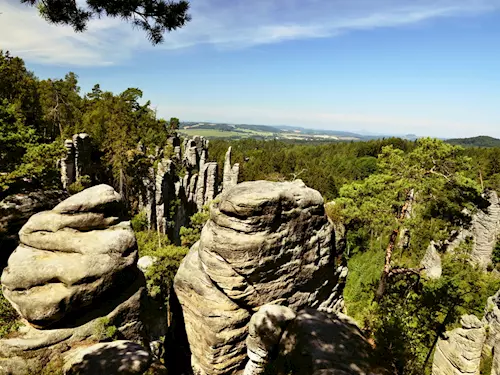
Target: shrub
point(189, 236)
point(104, 331)
point(9, 318)
point(80, 184)
point(139, 222)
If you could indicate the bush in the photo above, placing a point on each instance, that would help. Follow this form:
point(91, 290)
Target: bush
point(189, 236)
point(79, 185)
point(139, 222)
point(104, 331)
point(9, 318)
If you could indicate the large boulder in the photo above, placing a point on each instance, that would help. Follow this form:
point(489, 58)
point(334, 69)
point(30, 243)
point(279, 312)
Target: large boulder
point(265, 242)
point(118, 357)
point(318, 343)
point(70, 257)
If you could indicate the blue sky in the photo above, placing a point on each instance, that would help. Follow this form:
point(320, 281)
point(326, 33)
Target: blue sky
point(383, 66)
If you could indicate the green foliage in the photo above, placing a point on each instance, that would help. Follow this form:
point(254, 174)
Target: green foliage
point(414, 312)
point(148, 241)
point(9, 318)
point(486, 361)
point(495, 257)
point(160, 275)
point(104, 331)
point(139, 222)
point(480, 141)
point(80, 184)
point(155, 17)
point(189, 236)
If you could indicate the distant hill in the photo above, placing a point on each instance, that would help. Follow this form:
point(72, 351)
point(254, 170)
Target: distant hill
point(480, 141)
point(286, 132)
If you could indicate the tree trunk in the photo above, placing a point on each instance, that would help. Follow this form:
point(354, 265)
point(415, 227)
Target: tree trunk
point(387, 265)
point(390, 247)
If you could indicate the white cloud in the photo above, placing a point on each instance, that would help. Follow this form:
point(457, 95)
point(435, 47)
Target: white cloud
point(222, 23)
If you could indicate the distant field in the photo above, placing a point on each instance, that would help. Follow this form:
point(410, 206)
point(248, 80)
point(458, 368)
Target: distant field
point(213, 133)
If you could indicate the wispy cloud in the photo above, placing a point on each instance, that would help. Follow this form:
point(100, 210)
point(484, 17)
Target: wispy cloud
point(221, 23)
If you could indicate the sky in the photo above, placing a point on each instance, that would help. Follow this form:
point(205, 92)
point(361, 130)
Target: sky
point(425, 67)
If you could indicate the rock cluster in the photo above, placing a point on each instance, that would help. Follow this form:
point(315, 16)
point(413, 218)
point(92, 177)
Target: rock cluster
point(484, 230)
point(170, 198)
point(77, 161)
point(73, 274)
point(265, 242)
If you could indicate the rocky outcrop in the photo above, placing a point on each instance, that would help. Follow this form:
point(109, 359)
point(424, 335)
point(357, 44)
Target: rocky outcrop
point(170, 199)
point(307, 342)
point(74, 275)
point(16, 209)
point(70, 257)
point(431, 263)
point(265, 242)
point(77, 161)
point(484, 232)
point(231, 172)
point(118, 357)
point(317, 343)
point(459, 351)
point(264, 334)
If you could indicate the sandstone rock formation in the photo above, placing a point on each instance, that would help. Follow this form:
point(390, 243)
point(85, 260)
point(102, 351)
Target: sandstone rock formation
point(73, 275)
point(77, 161)
point(169, 199)
point(264, 334)
point(16, 209)
point(265, 242)
point(432, 262)
point(118, 357)
point(230, 175)
point(70, 257)
point(484, 231)
point(459, 352)
point(317, 343)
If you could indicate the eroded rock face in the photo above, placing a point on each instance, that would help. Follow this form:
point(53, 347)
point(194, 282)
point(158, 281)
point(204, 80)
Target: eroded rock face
point(70, 257)
point(264, 242)
point(460, 351)
point(432, 262)
point(118, 357)
point(264, 334)
point(16, 209)
point(318, 343)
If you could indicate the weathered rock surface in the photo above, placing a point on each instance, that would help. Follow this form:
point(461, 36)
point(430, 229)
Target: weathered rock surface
point(317, 343)
point(168, 199)
point(230, 173)
point(432, 262)
point(264, 334)
point(73, 277)
point(16, 209)
point(264, 242)
point(484, 231)
point(70, 257)
point(118, 357)
point(77, 161)
point(459, 352)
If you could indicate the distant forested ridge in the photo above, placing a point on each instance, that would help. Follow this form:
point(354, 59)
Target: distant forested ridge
point(480, 141)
